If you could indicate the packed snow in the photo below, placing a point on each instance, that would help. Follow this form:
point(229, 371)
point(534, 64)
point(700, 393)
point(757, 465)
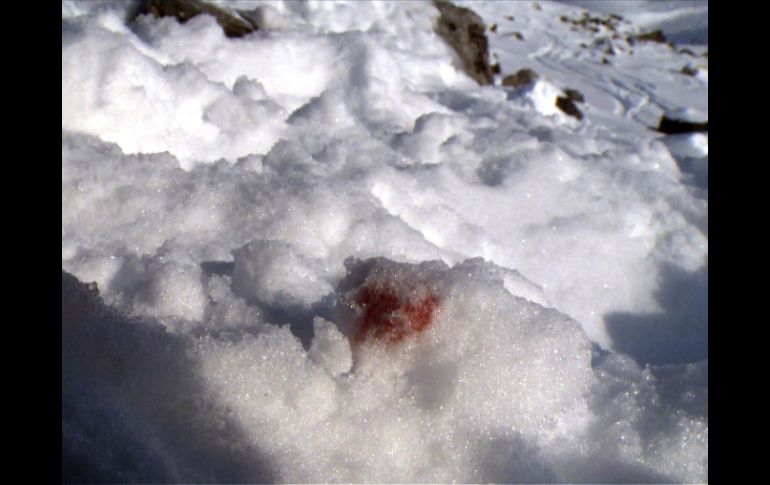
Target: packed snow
point(323, 253)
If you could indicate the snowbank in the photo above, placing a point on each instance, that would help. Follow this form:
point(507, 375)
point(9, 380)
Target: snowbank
point(324, 254)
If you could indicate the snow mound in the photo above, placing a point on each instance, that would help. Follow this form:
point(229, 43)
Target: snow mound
point(491, 388)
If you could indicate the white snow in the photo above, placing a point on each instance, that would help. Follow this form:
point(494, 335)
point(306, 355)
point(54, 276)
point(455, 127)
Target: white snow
point(330, 256)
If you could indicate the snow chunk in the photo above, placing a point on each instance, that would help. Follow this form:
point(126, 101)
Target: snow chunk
point(273, 273)
point(330, 348)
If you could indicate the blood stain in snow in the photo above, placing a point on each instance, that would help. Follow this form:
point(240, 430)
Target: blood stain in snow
point(389, 316)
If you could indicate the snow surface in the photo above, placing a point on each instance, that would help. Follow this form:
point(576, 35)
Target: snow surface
point(533, 287)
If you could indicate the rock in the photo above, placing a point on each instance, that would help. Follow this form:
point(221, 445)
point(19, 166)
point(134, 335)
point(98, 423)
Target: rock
point(521, 78)
point(574, 95)
point(568, 106)
point(183, 10)
point(463, 30)
point(654, 36)
point(688, 70)
point(671, 126)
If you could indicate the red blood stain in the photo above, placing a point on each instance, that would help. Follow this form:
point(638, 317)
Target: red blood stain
point(388, 317)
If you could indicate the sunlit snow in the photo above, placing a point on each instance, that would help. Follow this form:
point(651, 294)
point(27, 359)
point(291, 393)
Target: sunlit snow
point(325, 254)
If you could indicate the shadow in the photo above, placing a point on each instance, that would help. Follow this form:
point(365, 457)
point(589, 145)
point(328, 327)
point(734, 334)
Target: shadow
point(510, 459)
point(678, 334)
point(298, 317)
point(616, 471)
point(219, 268)
point(70, 30)
point(698, 36)
point(133, 406)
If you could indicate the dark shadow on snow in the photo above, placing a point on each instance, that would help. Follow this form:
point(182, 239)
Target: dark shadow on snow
point(298, 317)
point(676, 335)
point(133, 405)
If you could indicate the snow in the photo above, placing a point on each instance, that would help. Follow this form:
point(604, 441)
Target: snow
point(324, 254)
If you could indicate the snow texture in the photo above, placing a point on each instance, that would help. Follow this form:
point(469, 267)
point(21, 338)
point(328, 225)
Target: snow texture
point(325, 254)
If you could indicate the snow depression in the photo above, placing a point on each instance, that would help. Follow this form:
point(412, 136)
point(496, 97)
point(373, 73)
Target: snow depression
point(321, 252)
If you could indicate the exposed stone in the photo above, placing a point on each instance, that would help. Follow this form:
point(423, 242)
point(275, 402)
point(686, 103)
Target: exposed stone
point(671, 126)
point(688, 70)
point(654, 36)
point(184, 10)
point(463, 30)
point(574, 95)
point(521, 78)
point(568, 106)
